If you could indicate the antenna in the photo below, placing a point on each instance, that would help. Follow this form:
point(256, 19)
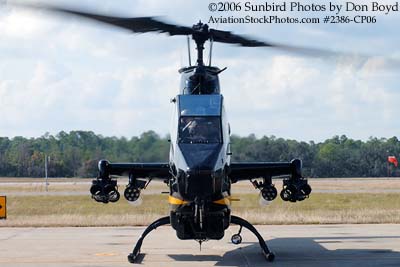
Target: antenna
point(211, 47)
point(188, 45)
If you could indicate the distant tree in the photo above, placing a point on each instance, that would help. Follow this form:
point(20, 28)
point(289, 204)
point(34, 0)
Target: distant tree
point(76, 153)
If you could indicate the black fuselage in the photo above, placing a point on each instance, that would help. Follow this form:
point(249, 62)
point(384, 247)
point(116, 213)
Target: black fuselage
point(199, 158)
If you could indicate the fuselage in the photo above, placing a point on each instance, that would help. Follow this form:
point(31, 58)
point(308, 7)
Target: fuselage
point(199, 158)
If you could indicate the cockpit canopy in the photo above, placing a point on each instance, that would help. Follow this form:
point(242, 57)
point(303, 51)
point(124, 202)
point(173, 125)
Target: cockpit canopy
point(200, 105)
point(200, 118)
point(200, 129)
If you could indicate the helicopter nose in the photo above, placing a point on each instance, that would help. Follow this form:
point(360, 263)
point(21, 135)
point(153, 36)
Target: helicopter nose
point(200, 156)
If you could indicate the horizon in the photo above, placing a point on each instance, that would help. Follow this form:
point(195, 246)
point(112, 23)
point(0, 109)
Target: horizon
point(166, 135)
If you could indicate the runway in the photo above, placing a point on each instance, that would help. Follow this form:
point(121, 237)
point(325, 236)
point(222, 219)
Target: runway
point(294, 245)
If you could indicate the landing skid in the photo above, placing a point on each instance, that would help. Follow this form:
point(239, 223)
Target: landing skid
point(136, 251)
point(243, 223)
point(132, 258)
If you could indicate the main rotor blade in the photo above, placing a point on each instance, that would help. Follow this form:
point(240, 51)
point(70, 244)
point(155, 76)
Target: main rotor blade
point(153, 24)
point(383, 63)
point(230, 38)
point(136, 24)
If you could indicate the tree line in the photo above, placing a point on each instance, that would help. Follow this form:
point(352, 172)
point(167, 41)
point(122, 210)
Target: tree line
point(75, 154)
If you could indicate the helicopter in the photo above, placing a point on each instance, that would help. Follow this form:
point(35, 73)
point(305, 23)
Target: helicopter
point(199, 172)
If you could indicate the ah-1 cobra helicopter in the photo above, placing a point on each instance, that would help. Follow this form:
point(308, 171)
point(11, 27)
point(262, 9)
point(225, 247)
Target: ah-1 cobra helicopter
point(199, 172)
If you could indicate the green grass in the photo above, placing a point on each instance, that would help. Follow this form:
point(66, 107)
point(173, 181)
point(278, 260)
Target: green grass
point(318, 209)
point(325, 208)
point(82, 205)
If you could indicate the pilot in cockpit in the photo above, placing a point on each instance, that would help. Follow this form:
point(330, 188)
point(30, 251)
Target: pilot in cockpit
point(193, 130)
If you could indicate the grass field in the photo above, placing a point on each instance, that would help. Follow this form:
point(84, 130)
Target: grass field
point(372, 205)
point(318, 209)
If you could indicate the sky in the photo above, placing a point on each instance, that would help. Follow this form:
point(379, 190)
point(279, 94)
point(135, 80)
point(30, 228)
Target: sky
point(62, 74)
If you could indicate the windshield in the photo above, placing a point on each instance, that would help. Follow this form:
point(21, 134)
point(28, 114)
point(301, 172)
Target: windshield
point(200, 105)
point(199, 129)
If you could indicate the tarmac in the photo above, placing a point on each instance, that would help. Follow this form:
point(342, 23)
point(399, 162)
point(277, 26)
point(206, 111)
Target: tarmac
point(294, 245)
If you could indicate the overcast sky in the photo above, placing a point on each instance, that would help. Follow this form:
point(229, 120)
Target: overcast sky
point(66, 74)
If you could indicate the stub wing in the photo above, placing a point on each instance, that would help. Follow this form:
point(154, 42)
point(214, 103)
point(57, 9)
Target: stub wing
point(295, 187)
point(104, 188)
point(252, 170)
point(159, 171)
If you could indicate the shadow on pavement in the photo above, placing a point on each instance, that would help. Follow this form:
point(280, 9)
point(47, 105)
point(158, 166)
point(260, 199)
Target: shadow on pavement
point(306, 251)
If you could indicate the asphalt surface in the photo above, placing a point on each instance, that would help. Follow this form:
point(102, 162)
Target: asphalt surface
point(294, 245)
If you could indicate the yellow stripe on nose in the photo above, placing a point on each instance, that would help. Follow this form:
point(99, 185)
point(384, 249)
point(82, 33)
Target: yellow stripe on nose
point(222, 201)
point(176, 201)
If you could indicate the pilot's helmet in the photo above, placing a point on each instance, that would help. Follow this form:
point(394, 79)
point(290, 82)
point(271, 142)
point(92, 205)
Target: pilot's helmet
point(193, 127)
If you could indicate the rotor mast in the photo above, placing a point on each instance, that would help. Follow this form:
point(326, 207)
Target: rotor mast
point(200, 35)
